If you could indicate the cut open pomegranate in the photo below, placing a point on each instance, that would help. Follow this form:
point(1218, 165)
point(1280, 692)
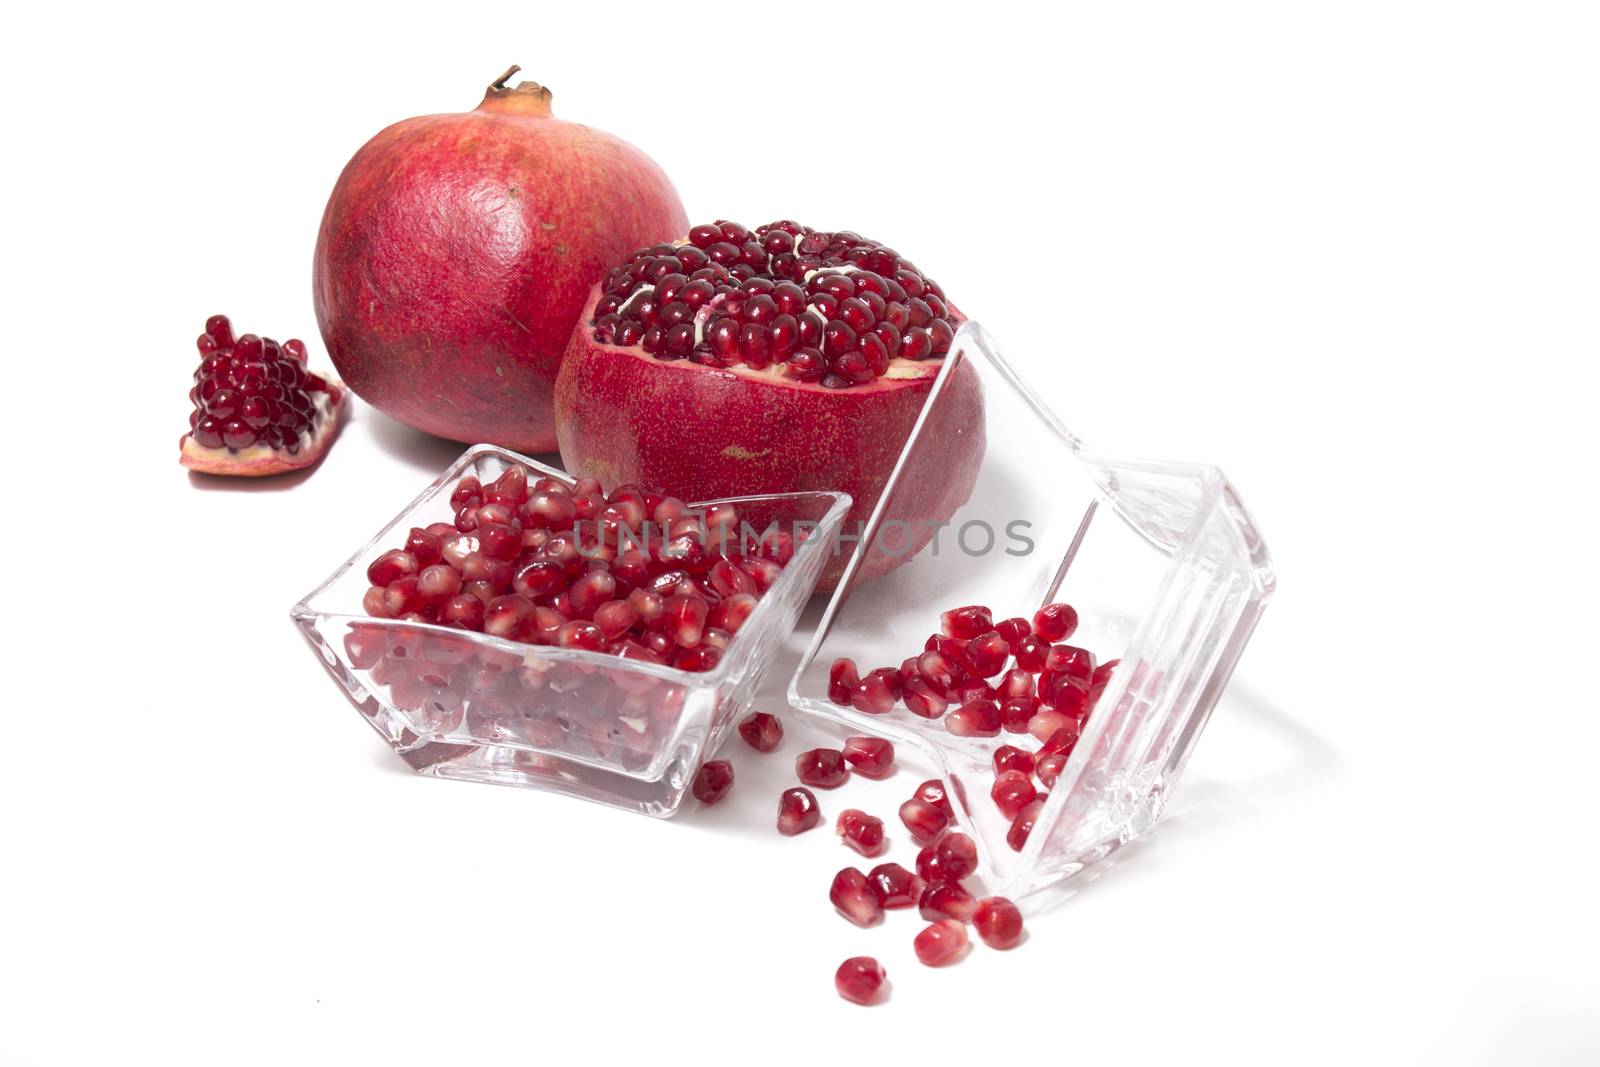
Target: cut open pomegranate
point(257, 409)
point(792, 359)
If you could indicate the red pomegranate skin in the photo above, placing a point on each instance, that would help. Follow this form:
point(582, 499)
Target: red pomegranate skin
point(457, 250)
point(623, 416)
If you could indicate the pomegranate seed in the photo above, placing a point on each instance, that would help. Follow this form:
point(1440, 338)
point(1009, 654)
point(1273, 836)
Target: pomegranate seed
point(761, 731)
point(921, 698)
point(1075, 665)
point(870, 757)
point(987, 654)
point(842, 681)
point(685, 615)
point(856, 897)
point(859, 979)
point(1061, 742)
point(897, 887)
point(1012, 791)
point(876, 693)
point(966, 623)
point(946, 900)
point(974, 720)
point(861, 831)
point(1011, 758)
point(1017, 713)
point(712, 781)
point(998, 922)
point(941, 942)
point(1047, 722)
point(1030, 653)
point(933, 792)
point(925, 821)
point(1055, 622)
point(824, 768)
point(956, 856)
point(1049, 769)
point(797, 811)
point(391, 566)
point(1022, 825)
point(939, 670)
point(1013, 630)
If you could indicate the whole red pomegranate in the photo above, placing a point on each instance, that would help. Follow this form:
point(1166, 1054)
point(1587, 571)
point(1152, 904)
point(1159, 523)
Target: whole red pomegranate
point(456, 252)
point(776, 360)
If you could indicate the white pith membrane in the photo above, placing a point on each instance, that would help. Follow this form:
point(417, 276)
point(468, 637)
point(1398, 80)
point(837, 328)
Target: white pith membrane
point(938, 321)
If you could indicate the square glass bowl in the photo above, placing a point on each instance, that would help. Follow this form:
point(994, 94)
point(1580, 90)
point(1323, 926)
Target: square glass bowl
point(457, 704)
point(1164, 566)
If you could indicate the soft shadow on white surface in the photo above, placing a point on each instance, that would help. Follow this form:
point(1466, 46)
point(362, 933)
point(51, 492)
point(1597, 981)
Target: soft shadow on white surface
point(412, 447)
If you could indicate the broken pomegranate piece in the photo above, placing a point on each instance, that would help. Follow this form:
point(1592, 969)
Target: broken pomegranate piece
point(257, 410)
point(859, 979)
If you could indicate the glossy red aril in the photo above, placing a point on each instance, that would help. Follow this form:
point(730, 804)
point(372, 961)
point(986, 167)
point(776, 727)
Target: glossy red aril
point(860, 979)
point(455, 254)
point(761, 731)
point(712, 781)
point(978, 719)
point(877, 693)
point(923, 820)
point(966, 623)
point(933, 792)
point(870, 757)
point(998, 922)
point(1012, 758)
point(946, 900)
point(257, 409)
point(922, 698)
point(941, 942)
point(1012, 791)
point(798, 811)
point(842, 680)
point(956, 856)
point(897, 887)
point(1013, 630)
point(824, 768)
point(861, 831)
point(792, 359)
point(1022, 825)
point(1030, 653)
point(987, 654)
point(856, 897)
point(1055, 622)
point(1048, 769)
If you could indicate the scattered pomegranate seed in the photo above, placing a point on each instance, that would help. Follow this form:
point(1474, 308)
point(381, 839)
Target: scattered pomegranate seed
point(998, 922)
point(956, 855)
point(946, 900)
point(933, 792)
point(1022, 825)
point(856, 897)
point(1012, 791)
point(1055, 622)
point(824, 768)
point(1031, 652)
point(761, 731)
point(925, 821)
point(712, 781)
point(861, 831)
point(1062, 741)
point(941, 942)
point(870, 757)
point(859, 979)
point(797, 811)
point(877, 692)
point(980, 719)
point(897, 887)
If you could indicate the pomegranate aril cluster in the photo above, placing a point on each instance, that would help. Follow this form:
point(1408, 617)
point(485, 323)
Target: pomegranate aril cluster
point(250, 390)
point(835, 309)
point(985, 679)
point(634, 573)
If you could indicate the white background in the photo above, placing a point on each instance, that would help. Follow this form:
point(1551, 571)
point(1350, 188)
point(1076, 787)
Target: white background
point(1349, 252)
